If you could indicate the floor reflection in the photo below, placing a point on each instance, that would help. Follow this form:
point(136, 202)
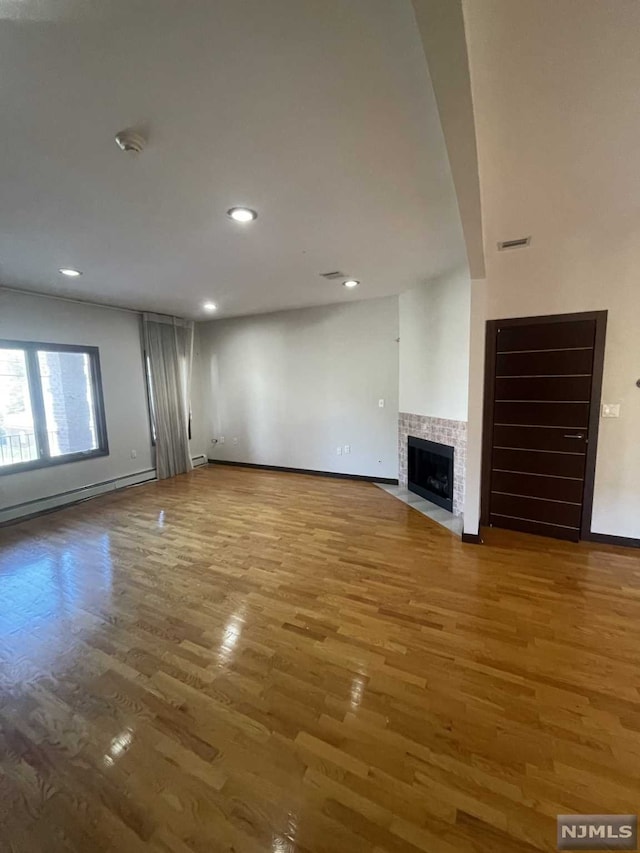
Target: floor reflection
point(357, 691)
point(118, 746)
point(286, 842)
point(231, 635)
point(47, 599)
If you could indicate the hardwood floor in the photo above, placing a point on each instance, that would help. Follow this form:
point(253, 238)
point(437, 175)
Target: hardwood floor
point(249, 661)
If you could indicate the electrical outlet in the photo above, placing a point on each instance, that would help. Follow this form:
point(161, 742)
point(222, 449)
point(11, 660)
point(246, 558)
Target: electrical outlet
point(235, 439)
point(347, 448)
point(611, 410)
point(221, 440)
point(134, 454)
point(339, 451)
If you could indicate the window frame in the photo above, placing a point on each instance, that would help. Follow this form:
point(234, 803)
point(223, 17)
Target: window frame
point(34, 379)
point(150, 404)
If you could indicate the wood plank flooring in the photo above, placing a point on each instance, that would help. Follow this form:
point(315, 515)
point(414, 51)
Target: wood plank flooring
point(250, 661)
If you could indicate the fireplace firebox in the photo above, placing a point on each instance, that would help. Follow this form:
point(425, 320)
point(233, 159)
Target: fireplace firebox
point(430, 470)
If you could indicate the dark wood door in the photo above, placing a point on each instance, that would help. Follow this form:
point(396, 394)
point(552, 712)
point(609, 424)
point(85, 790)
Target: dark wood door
point(542, 387)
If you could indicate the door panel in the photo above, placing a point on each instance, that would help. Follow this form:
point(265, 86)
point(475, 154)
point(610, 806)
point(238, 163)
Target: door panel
point(537, 509)
point(540, 438)
point(543, 413)
point(542, 385)
point(554, 464)
point(574, 362)
point(547, 336)
point(557, 531)
point(538, 485)
point(557, 388)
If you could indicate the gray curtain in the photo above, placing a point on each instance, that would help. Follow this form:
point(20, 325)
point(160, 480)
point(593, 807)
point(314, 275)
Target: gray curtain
point(168, 344)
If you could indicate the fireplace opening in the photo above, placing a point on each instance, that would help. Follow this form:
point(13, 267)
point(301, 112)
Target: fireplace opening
point(430, 470)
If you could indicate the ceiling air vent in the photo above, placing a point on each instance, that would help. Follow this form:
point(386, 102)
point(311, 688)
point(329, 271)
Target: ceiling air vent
point(332, 276)
point(520, 243)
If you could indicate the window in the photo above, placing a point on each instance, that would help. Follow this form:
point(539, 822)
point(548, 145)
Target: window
point(51, 407)
point(151, 402)
point(152, 409)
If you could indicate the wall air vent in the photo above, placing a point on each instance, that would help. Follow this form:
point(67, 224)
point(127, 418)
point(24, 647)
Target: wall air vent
point(333, 276)
point(520, 243)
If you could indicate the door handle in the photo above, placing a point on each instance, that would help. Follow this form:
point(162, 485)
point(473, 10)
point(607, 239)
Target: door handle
point(579, 435)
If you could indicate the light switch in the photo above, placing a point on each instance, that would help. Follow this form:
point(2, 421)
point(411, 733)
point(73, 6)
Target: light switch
point(611, 410)
point(347, 448)
point(339, 451)
point(381, 403)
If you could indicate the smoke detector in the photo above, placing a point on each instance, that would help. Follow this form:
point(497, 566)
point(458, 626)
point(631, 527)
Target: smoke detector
point(130, 141)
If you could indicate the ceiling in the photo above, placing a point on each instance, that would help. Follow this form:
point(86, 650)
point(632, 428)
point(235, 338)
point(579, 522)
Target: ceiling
point(442, 28)
point(556, 97)
point(319, 114)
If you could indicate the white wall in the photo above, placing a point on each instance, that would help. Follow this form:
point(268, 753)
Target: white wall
point(199, 444)
point(117, 335)
point(294, 385)
point(473, 467)
point(434, 347)
point(564, 167)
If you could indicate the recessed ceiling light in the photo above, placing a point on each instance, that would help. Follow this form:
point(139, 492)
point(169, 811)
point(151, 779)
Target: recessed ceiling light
point(71, 273)
point(351, 282)
point(210, 306)
point(242, 214)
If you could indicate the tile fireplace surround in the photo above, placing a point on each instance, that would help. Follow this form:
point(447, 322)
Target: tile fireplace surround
point(444, 431)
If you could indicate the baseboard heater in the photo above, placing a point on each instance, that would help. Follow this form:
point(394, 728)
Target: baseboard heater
point(38, 506)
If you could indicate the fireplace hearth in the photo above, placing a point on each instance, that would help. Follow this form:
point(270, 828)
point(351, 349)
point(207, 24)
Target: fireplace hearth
point(430, 470)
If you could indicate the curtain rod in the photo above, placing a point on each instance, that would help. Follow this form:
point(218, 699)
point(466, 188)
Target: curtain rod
point(138, 311)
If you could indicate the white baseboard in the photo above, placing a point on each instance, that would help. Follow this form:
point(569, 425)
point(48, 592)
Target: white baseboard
point(35, 507)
